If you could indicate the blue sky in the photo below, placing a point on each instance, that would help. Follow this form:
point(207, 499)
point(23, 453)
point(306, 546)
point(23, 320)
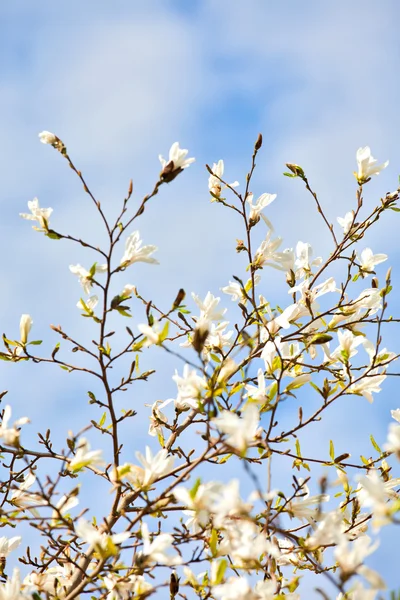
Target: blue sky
point(119, 83)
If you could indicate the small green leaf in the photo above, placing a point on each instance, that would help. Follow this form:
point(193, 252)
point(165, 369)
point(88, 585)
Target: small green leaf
point(103, 419)
point(332, 451)
point(375, 445)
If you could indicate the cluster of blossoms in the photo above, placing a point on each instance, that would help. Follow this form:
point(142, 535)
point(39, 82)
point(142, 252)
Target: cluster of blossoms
point(167, 511)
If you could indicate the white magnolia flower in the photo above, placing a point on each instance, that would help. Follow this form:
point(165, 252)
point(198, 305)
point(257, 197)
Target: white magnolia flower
point(209, 310)
point(348, 343)
point(25, 325)
point(375, 493)
point(262, 202)
point(8, 545)
point(234, 289)
point(128, 290)
point(229, 504)
point(236, 588)
point(199, 506)
point(190, 389)
point(367, 165)
point(154, 467)
point(85, 277)
point(359, 592)
point(303, 262)
point(266, 254)
point(152, 333)
point(305, 507)
point(350, 555)
point(178, 157)
point(214, 183)
point(371, 382)
point(90, 303)
point(126, 587)
point(241, 431)
point(155, 552)
point(258, 393)
point(46, 137)
point(23, 498)
point(85, 457)
point(63, 506)
point(396, 414)
point(157, 418)
point(368, 260)
point(135, 253)
point(42, 215)
point(346, 221)
point(244, 542)
point(329, 530)
point(11, 589)
point(11, 435)
point(99, 540)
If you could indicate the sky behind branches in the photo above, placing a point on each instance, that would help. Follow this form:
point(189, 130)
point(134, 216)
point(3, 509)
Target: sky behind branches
point(119, 82)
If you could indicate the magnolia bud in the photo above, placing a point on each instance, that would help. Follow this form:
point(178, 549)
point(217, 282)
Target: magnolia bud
point(25, 327)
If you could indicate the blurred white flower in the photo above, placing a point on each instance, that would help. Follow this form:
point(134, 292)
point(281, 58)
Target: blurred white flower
point(90, 303)
point(104, 543)
point(367, 165)
point(46, 137)
point(8, 545)
point(11, 435)
point(240, 431)
point(156, 551)
point(214, 183)
point(135, 253)
point(85, 276)
point(84, 457)
point(369, 383)
point(346, 221)
point(42, 215)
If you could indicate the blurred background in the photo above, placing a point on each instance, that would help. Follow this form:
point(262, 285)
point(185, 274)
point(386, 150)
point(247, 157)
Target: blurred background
point(119, 83)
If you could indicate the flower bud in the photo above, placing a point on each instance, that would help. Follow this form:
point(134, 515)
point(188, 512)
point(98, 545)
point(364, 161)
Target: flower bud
point(25, 327)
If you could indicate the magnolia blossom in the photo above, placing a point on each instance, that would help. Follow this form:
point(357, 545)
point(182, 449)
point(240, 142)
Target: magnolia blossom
point(236, 588)
point(177, 156)
point(369, 383)
point(190, 389)
point(152, 333)
point(329, 530)
point(350, 555)
point(124, 588)
point(85, 276)
point(157, 419)
point(244, 542)
point(375, 492)
point(241, 431)
point(368, 260)
point(262, 202)
point(214, 183)
point(367, 165)
point(346, 222)
point(258, 393)
point(348, 343)
point(235, 290)
point(156, 551)
point(209, 310)
point(135, 253)
point(42, 215)
point(229, 505)
point(11, 435)
point(128, 290)
point(63, 506)
point(266, 253)
point(46, 137)
point(23, 498)
point(303, 262)
point(305, 507)
point(84, 457)
point(11, 589)
point(154, 468)
point(199, 505)
point(25, 326)
point(8, 545)
point(396, 414)
point(88, 305)
point(104, 543)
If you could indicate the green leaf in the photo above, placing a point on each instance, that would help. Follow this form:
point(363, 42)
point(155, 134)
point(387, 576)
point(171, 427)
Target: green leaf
point(35, 343)
point(213, 542)
point(332, 450)
point(53, 235)
point(103, 419)
point(375, 445)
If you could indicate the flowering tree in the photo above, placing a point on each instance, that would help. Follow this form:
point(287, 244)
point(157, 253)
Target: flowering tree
point(169, 528)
